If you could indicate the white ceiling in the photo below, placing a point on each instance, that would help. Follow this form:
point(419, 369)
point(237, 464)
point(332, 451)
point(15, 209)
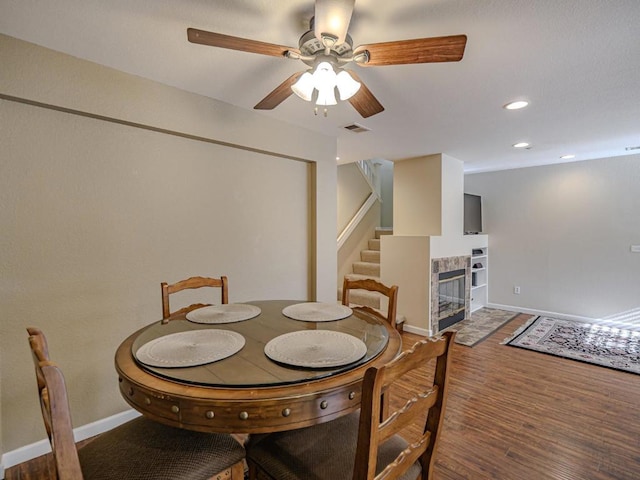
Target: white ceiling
point(576, 61)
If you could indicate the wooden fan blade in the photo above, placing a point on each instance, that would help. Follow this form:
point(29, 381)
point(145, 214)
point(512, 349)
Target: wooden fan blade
point(419, 50)
point(364, 101)
point(236, 43)
point(333, 16)
point(279, 94)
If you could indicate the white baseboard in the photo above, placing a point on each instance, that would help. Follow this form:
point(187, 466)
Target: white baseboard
point(545, 313)
point(29, 452)
point(417, 330)
point(629, 320)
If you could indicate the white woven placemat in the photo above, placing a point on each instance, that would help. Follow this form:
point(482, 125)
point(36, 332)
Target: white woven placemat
point(315, 348)
point(317, 311)
point(226, 313)
point(188, 349)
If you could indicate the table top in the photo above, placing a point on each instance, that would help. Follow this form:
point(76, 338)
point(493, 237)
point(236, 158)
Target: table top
point(248, 392)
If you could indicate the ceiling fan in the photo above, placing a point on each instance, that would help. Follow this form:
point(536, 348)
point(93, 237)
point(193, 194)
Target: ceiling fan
point(327, 48)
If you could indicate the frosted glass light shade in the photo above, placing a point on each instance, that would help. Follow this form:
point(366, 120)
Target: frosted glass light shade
point(327, 96)
point(304, 86)
point(325, 82)
point(324, 76)
point(347, 86)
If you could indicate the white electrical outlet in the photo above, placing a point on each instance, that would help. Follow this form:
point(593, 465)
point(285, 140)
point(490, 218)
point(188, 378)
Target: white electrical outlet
point(635, 248)
point(516, 289)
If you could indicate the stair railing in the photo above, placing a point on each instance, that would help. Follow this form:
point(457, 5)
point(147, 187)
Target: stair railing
point(368, 169)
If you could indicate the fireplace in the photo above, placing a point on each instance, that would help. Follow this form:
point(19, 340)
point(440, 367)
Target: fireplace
point(451, 302)
point(450, 291)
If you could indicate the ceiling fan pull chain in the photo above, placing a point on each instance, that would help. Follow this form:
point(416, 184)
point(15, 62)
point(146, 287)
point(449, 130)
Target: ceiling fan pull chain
point(325, 112)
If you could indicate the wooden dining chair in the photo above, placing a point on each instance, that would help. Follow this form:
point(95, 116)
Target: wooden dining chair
point(372, 285)
point(360, 446)
point(391, 294)
point(193, 282)
point(136, 450)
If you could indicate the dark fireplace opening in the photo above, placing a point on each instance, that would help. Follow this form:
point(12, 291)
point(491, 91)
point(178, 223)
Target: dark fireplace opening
point(451, 291)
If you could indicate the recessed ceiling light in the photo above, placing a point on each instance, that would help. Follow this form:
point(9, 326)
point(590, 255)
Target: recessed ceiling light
point(567, 157)
point(337, 158)
point(520, 145)
point(516, 105)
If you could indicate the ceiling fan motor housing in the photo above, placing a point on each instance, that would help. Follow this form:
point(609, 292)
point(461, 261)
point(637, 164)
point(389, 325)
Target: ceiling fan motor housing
point(310, 46)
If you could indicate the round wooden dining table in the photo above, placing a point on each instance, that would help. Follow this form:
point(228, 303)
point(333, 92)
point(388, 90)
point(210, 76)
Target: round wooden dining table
point(248, 392)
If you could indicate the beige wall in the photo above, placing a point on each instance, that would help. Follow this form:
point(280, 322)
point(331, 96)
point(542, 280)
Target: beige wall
point(563, 233)
point(134, 184)
point(385, 171)
point(353, 191)
point(417, 205)
point(452, 197)
point(406, 262)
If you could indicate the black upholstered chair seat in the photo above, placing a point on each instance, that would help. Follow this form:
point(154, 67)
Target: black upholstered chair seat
point(321, 452)
point(143, 449)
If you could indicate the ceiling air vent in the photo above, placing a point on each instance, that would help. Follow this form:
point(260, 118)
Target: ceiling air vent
point(356, 128)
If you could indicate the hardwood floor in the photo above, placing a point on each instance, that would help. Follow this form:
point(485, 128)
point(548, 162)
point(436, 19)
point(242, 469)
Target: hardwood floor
point(523, 415)
point(514, 414)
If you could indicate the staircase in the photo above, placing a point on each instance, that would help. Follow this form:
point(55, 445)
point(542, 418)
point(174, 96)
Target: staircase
point(369, 267)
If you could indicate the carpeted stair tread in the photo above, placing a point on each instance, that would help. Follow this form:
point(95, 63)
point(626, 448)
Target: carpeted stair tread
point(372, 256)
point(357, 276)
point(367, 268)
point(365, 297)
point(374, 244)
point(383, 231)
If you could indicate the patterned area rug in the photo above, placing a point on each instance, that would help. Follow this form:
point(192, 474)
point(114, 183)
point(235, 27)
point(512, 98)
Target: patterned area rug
point(586, 342)
point(480, 325)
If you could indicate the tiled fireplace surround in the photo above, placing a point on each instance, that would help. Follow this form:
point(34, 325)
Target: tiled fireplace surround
point(448, 264)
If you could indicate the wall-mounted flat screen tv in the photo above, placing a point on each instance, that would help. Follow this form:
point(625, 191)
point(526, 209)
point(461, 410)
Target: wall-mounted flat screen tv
point(472, 214)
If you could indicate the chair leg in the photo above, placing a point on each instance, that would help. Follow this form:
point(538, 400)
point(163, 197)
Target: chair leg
point(237, 471)
point(252, 470)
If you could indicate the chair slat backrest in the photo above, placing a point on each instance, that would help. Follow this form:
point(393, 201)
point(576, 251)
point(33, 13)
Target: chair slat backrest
point(193, 282)
point(373, 286)
point(430, 397)
point(55, 409)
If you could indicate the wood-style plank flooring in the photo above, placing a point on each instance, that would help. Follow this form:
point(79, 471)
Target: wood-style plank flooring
point(513, 414)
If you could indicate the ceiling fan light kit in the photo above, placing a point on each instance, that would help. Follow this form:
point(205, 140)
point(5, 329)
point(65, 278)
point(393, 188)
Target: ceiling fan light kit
point(324, 80)
point(325, 47)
